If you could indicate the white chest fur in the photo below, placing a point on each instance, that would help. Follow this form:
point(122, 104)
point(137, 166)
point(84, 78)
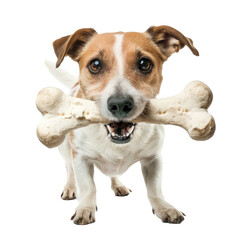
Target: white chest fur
point(113, 159)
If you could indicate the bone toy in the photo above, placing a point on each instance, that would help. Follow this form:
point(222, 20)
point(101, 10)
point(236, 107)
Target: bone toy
point(63, 113)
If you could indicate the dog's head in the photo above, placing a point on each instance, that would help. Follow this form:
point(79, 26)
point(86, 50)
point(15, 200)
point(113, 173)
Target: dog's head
point(121, 71)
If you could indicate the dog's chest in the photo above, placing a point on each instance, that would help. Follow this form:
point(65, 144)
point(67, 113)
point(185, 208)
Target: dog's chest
point(114, 159)
point(116, 162)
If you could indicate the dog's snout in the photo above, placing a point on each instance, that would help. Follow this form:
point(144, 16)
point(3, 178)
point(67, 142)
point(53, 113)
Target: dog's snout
point(120, 106)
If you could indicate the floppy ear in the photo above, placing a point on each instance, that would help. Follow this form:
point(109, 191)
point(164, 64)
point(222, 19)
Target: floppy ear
point(170, 40)
point(71, 45)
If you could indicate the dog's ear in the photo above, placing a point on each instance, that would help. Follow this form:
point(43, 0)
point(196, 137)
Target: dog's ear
point(71, 45)
point(170, 40)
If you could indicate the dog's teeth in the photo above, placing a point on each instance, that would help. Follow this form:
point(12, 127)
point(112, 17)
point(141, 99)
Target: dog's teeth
point(109, 128)
point(131, 130)
point(126, 132)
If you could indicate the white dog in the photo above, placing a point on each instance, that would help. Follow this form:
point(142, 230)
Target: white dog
point(120, 72)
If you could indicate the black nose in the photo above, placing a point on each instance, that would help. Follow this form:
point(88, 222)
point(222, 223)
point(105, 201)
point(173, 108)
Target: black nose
point(120, 106)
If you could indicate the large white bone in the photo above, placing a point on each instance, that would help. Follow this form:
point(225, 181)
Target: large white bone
point(63, 113)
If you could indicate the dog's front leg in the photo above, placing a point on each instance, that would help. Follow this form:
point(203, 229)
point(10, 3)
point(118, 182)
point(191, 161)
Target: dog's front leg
point(86, 191)
point(151, 170)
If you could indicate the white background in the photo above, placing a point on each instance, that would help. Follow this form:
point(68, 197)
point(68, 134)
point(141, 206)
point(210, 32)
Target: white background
point(200, 178)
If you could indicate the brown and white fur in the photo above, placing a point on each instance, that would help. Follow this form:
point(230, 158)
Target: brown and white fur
point(119, 55)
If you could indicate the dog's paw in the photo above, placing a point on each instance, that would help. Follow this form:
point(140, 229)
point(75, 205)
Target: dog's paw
point(121, 191)
point(69, 193)
point(170, 215)
point(84, 216)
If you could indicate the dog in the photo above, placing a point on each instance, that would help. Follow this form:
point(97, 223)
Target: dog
point(121, 72)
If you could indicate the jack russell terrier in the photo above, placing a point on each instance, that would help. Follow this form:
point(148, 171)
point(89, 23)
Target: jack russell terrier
point(120, 72)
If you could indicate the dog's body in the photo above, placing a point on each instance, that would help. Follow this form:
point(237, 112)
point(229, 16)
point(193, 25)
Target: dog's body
point(121, 72)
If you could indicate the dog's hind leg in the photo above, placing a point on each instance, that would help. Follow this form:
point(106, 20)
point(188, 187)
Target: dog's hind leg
point(119, 189)
point(69, 191)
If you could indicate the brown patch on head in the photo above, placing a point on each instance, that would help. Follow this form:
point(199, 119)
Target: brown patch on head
point(155, 45)
point(137, 46)
point(100, 47)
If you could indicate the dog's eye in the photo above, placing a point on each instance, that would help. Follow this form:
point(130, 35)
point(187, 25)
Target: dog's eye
point(145, 65)
point(95, 66)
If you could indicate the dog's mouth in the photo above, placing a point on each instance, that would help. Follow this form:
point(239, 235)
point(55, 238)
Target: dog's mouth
point(120, 132)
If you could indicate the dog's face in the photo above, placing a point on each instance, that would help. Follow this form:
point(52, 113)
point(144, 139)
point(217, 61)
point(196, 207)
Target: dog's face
point(121, 71)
